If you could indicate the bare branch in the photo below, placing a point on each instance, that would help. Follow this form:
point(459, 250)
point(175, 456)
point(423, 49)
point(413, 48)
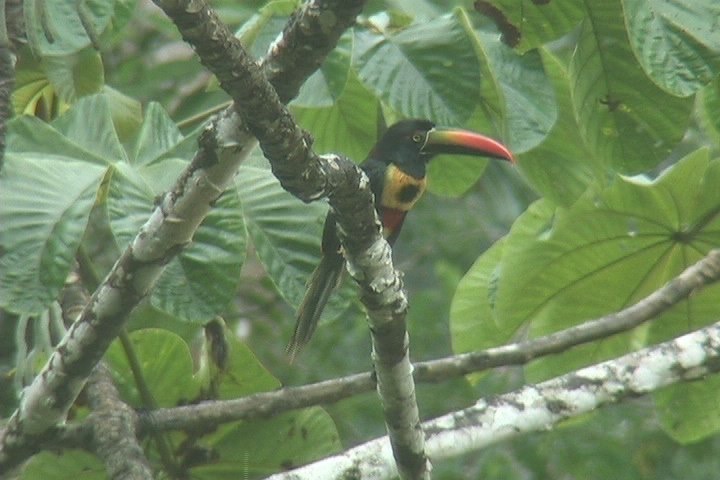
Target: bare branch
point(690, 281)
point(536, 408)
point(694, 278)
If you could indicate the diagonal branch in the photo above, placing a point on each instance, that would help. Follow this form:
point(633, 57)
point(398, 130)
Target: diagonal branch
point(310, 177)
point(704, 272)
point(222, 147)
point(536, 408)
point(310, 35)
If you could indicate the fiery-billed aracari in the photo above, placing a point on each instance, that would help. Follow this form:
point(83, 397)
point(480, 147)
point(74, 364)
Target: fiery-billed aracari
point(396, 169)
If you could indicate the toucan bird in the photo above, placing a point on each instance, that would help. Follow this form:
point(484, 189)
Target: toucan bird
point(396, 168)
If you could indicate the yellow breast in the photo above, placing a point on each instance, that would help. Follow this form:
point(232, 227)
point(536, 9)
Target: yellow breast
point(401, 190)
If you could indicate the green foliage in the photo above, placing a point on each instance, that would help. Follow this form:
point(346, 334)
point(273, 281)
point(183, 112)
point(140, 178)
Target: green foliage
point(584, 93)
point(42, 224)
point(676, 42)
point(408, 70)
point(75, 464)
point(255, 448)
point(62, 28)
point(615, 101)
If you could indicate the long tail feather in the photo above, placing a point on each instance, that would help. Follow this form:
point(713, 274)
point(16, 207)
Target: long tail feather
point(322, 283)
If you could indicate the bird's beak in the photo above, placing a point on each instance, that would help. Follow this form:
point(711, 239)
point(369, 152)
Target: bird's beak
point(464, 142)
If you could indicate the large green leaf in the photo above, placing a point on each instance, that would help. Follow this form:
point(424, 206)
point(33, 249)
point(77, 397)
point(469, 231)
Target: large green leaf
point(158, 135)
point(561, 167)
point(348, 127)
point(506, 107)
point(202, 280)
point(608, 250)
point(709, 109)
point(85, 133)
point(527, 25)
point(59, 28)
point(76, 464)
point(410, 70)
point(29, 134)
point(46, 203)
point(327, 84)
point(89, 125)
point(676, 41)
point(286, 234)
point(50, 191)
point(616, 105)
point(474, 324)
point(258, 448)
point(166, 365)
point(527, 99)
point(472, 319)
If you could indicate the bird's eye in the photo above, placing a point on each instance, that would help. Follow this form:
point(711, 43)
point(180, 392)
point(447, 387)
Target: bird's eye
point(417, 138)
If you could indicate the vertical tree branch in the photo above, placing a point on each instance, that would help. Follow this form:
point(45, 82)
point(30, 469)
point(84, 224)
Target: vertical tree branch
point(114, 434)
point(306, 176)
point(112, 425)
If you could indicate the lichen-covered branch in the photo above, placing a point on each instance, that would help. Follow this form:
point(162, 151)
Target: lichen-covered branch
point(693, 279)
point(535, 408)
point(310, 35)
point(310, 177)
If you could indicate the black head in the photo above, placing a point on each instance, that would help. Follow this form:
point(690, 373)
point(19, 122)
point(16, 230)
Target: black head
point(410, 144)
point(402, 145)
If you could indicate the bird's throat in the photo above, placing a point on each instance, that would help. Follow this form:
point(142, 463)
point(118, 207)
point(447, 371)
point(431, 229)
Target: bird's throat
point(400, 190)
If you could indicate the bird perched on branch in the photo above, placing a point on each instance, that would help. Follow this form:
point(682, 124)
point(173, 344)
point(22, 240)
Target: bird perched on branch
point(396, 168)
